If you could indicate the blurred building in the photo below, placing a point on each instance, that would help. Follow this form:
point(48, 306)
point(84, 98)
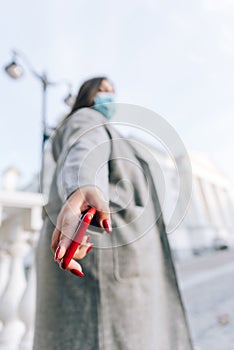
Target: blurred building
point(209, 222)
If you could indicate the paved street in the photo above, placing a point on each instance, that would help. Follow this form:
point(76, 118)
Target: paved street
point(207, 285)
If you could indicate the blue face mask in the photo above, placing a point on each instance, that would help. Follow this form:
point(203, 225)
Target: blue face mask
point(104, 103)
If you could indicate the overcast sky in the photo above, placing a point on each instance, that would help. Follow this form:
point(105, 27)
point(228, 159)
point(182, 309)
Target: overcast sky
point(175, 57)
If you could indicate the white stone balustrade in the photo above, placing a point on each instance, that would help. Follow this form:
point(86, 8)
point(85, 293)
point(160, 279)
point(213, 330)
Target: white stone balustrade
point(19, 227)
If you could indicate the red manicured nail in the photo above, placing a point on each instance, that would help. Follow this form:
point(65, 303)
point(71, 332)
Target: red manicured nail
point(107, 225)
point(89, 248)
point(57, 253)
point(77, 273)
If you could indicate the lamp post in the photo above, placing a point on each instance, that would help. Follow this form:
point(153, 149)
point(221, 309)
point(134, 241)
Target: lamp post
point(15, 71)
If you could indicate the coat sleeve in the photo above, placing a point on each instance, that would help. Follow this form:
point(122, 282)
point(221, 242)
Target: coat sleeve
point(84, 158)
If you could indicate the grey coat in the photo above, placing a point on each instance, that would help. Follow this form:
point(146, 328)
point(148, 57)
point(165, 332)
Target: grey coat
point(129, 297)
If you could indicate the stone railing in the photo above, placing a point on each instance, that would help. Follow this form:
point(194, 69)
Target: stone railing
point(20, 223)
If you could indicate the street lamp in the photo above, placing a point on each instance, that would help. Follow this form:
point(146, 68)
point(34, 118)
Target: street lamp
point(69, 100)
point(15, 71)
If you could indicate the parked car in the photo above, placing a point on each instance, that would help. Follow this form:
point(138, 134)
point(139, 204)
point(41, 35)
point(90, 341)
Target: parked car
point(220, 244)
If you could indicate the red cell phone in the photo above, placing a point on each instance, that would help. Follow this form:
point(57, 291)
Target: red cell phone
point(76, 241)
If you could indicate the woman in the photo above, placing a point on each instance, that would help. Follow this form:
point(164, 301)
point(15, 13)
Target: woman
point(126, 294)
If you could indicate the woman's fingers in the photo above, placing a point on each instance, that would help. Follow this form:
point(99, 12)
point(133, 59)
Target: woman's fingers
point(107, 225)
point(81, 251)
point(90, 196)
point(63, 244)
point(55, 239)
point(103, 212)
point(75, 268)
point(68, 228)
point(68, 220)
point(103, 219)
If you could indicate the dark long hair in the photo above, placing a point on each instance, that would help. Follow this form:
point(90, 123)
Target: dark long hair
point(86, 94)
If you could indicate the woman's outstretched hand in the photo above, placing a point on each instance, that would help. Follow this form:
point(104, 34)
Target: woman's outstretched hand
point(81, 200)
